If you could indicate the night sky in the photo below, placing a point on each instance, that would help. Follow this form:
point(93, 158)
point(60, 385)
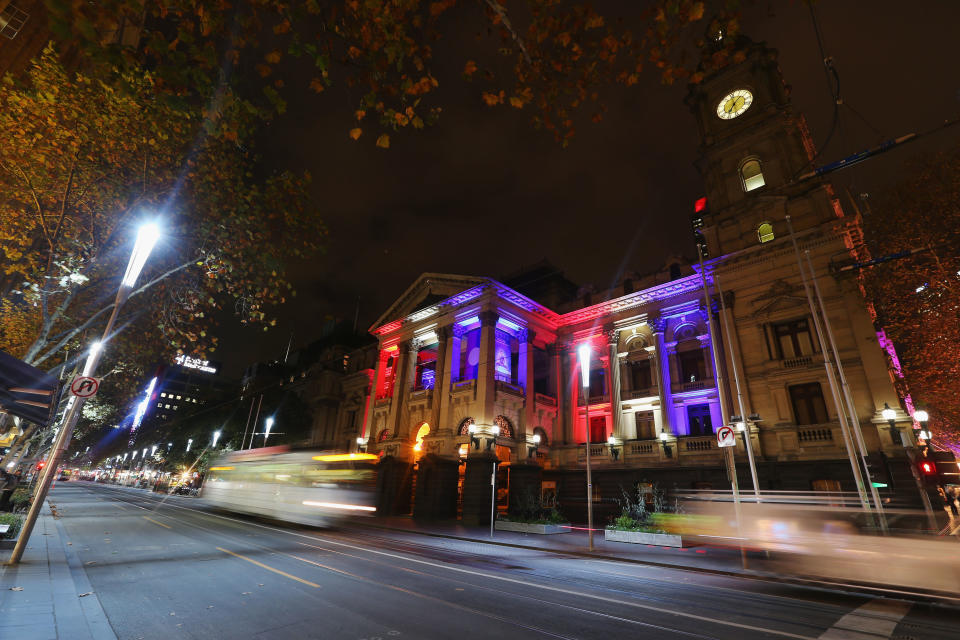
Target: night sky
point(484, 193)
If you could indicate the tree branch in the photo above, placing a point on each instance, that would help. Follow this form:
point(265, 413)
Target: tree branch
point(501, 11)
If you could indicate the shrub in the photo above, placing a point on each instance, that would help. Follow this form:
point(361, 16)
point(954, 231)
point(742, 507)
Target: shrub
point(15, 520)
point(20, 499)
point(644, 510)
point(528, 508)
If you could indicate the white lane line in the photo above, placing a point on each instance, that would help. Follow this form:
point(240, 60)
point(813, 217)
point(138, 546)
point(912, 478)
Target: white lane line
point(658, 609)
point(872, 621)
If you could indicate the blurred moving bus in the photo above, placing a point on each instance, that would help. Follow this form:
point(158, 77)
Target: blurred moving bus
point(308, 486)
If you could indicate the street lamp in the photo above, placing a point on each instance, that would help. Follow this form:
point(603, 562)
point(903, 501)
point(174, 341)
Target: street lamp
point(474, 440)
point(614, 452)
point(536, 444)
point(922, 417)
point(667, 449)
point(147, 237)
point(189, 444)
point(216, 436)
point(266, 433)
point(360, 444)
point(495, 430)
point(584, 352)
point(891, 417)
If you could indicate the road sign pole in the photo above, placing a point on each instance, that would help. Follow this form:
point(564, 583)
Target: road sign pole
point(63, 437)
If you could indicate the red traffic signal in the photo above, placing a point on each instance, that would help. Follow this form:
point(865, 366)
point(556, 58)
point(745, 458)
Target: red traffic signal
point(40, 465)
point(928, 468)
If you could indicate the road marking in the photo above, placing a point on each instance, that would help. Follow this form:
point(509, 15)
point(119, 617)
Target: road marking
point(159, 523)
point(872, 621)
point(657, 609)
point(269, 568)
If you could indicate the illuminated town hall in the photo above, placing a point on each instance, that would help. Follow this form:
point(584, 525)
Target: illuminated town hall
point(471, 370)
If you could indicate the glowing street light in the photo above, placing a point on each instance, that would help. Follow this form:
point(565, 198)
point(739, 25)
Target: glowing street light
point(584, 351)
point(92, 358)
point(189, 443)
point(216, 436)
point(147, 236)
point(266, 433)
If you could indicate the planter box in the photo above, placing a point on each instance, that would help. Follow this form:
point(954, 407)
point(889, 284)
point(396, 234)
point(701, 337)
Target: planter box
point(641, 537)
point(522, 527)
point(9, 543)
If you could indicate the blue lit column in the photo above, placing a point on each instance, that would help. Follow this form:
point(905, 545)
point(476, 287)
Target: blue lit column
point(440, 391)
point(486, 367)
point(451, 371)
point(525, 378)
point(664, 389)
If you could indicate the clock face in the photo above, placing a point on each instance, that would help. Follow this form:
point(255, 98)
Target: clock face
point(734, 103)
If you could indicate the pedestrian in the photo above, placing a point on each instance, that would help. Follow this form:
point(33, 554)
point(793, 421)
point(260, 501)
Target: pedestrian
point(952, 501)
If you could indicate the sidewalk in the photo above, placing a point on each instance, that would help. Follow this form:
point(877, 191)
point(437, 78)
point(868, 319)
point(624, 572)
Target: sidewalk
point(712, 559)
point(53, 599)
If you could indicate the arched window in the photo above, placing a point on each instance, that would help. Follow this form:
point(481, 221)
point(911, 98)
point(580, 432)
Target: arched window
point(765, 232)
point(422, 432)
point(506, 427)
point(751, 174)
point(464, 427)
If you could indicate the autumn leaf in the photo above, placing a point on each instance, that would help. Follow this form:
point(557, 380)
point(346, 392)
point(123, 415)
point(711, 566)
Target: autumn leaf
point(383, 141)
point(317, 85)
point(359, 114)
point(469, 68)
point(356, 133)
point(492, 99)
point(516, 101)
point(696, 11)
point(273, 57)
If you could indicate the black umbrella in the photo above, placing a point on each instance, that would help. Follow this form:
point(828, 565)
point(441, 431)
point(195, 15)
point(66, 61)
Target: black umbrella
point(25, 391)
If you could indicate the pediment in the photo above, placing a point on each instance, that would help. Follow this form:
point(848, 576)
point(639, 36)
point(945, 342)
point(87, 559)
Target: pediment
point(426, 290)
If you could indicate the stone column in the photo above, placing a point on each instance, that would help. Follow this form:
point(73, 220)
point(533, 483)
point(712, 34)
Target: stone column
point(403, 382)
point(476, 488)
point(486, 368)
point(439, 394)
point(665, 391)
point(451, 367)
point(436, 491)
point(613, 370)
point(525, 378)
point(573, 391)
point(375, 382)
point(556, 379)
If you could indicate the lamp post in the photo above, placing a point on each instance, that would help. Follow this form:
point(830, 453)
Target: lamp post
point(584, 352)
point(216, 436)
point(612, 443)
point(189, 444)
point(536, 444)
point(891, 417)
point(266, 433)
point(147, 237)
point(360, 443)
point(922, 417)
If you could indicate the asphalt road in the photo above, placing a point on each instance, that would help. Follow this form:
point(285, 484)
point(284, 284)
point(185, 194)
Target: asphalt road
point(167, 567)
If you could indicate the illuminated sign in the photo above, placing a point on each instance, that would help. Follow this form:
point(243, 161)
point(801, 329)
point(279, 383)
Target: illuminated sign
point(195, 363)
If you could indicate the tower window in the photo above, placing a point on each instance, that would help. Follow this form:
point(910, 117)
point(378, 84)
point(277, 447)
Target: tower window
point(751, 174)
point(765, 232)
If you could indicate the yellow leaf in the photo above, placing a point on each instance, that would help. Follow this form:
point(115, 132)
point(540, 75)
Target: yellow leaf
point(383, 141)
point(273, 57)
point(516, 102)
point(355, 133)
point(470, 68)
point(696, 11)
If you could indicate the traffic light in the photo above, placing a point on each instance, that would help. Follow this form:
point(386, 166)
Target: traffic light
point(41, 464)
point(927, 471)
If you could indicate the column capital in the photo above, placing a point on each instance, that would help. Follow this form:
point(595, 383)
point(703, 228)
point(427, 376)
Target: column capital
point(413, 346)
point(444, 332)
point(659, 325)
point(488, 318)
point(526, 335)
point(704, 313)
point(458, 330)
point(555, 349)
point(613, 336)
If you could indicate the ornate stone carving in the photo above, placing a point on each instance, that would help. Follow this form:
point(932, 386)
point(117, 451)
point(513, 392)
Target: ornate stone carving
point(526, 335)
point(613, 336)
point(459, 330)
point(659, 325)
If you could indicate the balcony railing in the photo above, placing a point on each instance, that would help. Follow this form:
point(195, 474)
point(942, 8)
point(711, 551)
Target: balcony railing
point(420, 394)
point(796, 363)
point(382, 402)
point(634, 394)
point(815, 435)
point(699, 444)
point(593, 399)
point(509, 387)
point(462, 385)
point(695, 385)
point(545, 399)
point(596, 451)
point(643, 448)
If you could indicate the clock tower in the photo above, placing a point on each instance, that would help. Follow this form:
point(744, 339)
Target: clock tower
point(753, 147)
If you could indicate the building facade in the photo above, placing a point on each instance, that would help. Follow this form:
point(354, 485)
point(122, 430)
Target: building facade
point(472, 377)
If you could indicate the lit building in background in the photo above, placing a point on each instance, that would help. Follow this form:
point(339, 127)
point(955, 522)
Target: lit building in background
point(471, 371)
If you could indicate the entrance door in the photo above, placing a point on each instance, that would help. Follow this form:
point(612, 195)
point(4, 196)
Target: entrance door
point(598, 429)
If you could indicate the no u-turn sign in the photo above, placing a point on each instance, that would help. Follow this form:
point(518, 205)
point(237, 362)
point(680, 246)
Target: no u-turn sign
point(84, 387)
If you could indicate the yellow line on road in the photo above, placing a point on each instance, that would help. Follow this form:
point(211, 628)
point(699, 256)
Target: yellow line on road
point(269, 568)
point(159, 523)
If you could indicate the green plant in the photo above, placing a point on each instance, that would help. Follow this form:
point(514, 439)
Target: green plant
point(528, 508)
point(643, 509)
point(15, 520)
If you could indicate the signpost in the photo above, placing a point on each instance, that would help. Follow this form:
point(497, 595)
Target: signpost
point(84, 387)
point(726, 437)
